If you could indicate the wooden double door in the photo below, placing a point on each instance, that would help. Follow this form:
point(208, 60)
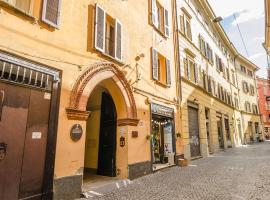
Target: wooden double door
point(24, 117)
point(194, 135)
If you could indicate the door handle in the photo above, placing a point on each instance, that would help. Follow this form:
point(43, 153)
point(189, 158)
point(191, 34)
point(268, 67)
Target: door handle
point(2, 97)
point(3, 150)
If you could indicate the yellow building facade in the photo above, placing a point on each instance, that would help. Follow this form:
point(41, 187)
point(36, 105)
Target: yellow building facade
point(115, 89)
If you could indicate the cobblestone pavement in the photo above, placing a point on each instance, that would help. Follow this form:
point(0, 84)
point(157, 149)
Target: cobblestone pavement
point(237, 174)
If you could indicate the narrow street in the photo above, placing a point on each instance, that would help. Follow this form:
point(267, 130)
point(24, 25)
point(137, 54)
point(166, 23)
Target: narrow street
point(237, 174)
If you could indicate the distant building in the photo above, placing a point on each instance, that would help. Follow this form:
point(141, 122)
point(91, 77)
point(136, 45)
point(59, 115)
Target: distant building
point(264, 104)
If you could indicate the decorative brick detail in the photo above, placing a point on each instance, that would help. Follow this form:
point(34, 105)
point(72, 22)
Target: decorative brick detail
point(96, 70)
point(79, 115)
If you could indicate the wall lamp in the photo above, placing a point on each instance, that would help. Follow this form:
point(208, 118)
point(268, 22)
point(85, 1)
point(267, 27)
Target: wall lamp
point(217, 19)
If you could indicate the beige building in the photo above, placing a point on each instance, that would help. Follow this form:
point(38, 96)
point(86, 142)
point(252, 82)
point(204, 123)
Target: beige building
point(213, 113)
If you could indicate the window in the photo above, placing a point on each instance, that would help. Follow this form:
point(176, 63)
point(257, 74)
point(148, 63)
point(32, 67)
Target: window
point(160, 18)
point(219, 64)
point(255, 109)
point(206, 50)
point(236, 101)
point(185, 24)
point(50, 9)
point(252, 91)
point(108, 34)
point(266, 129)
point(250, 73)
point(161, 68)
point(191, 70)
point(24, 5)
point(245, 87)
point(233, 77)
point(247, 107)
point(228, 73)
point(243, 69)
point(267, 105)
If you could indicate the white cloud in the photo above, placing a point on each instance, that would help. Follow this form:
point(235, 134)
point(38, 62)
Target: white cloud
point(259, 39)
point(248, 15)
point(255, 56)
point(246, 9)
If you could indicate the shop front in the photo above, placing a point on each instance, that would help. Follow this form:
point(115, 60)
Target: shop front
point(163, 137)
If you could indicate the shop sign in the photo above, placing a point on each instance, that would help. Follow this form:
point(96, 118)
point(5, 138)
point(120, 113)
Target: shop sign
point(161, 110)
point(76, 132)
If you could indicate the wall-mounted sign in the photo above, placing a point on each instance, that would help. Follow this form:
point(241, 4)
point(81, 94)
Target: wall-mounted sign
point(36, 135)
point(267, 98)
point(122, 141)
point(161, 110)
point(76, 132)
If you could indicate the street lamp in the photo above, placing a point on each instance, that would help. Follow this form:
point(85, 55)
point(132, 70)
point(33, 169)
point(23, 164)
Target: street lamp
point(217, 19)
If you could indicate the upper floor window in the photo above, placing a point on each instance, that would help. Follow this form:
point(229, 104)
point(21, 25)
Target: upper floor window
point(185, 24)
point(243, 69)
point(255, 109)
point(252, 90)
point(219, 64)
point(160, 18)
point(50, 9)
point(250, 73)
point(108, 34)
point(161, 71)
point(191, 70)
point(236, 102)
point(206, 49)
point(245, 87)
point(247, 107)
point(233, 77)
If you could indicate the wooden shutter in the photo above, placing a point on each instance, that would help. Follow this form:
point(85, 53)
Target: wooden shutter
point(154, 13)
point(154, 64)
point(168, 73)
point(51, 12)
point(166, 23)
point(196, 75)
point(182, 25)
point(100, 29)
point(186, 69)
point(118, 40)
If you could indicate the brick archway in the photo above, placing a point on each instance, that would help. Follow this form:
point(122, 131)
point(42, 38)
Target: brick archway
point(88, 80)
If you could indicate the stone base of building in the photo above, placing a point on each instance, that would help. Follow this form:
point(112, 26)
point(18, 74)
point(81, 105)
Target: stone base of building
point(139, 169)
point(67, 188)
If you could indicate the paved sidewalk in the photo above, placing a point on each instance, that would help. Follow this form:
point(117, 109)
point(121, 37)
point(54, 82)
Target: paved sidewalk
point(237, 174)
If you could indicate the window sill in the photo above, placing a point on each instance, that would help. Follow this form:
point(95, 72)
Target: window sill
point(111, 58)
point(160, 32)
point(17, 10)
point(161, 84)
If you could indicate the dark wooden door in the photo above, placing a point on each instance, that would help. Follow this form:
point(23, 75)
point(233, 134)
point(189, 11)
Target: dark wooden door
point(220, 133)
point(23, 128)
point(14, 112)
point(107, 137)
point(35, 145)
point(194, 138)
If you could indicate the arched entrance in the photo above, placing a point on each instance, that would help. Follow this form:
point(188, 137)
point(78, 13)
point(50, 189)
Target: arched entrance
point(102, 97)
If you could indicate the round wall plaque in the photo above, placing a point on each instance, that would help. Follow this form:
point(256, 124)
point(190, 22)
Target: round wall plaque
point(76, 132)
